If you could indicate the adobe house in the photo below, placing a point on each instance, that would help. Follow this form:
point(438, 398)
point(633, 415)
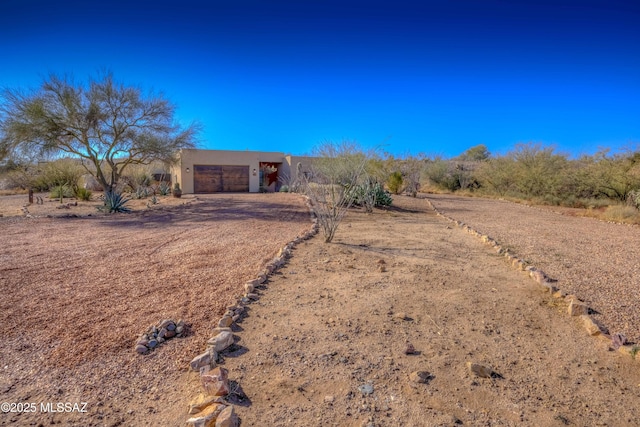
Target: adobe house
point(216, 171)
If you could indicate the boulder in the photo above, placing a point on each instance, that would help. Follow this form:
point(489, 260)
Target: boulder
point(215, 381)
point(202, 401)
point(577, 308)
point(225, 322)
point(207, 417)
point(590, 325)
point(208, 358)
point(228, 418)
point(221, 341)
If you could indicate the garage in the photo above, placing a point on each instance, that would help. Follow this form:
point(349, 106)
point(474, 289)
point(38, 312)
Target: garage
point(219, 178)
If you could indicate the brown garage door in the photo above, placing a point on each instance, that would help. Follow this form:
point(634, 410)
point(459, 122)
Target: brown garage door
point(217, 178)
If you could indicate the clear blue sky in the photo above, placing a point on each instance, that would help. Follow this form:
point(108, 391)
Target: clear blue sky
point(417, 76)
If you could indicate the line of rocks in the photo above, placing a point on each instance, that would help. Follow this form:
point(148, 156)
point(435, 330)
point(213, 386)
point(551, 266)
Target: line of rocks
point(575, 307)
point(211, 408)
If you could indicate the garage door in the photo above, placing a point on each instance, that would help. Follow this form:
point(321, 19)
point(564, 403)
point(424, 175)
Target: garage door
point(217, 178)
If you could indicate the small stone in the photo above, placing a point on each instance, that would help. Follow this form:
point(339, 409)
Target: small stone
point(382, 269)
point(253, 296)
point(162, 332)
point(228, 418)
point(249, 287)
point(479, 370)
point(165, 323)
point(409, 349)
point(179, 330)
point(329, 399)
point(207, 416)
point(161, 340)
point(381, 262)
point(401, 315)
point(420, 377)
point(141, 349)
point(171, 327)
point(366, 389)
point(225, 322)
point(170, 334)
point(153, 344)
point(215, 381)
point(221, 341)
point(577, 308)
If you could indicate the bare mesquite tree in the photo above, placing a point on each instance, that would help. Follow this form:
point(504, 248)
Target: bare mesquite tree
point(337, 168)
point(106, 124)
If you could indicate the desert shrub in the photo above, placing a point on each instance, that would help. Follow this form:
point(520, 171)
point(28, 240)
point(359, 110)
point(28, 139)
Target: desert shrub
point(61, 173)
point(369, 195)
point(60, 191)
point(83, 194)
point(634, 199)
point(114, 202)
point(336, 168)
point(394, 182)
point(284, 189)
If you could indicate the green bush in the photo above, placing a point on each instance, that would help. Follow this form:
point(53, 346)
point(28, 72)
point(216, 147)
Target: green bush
point(60, 191)
point(83, 194)
point(369, 195)
point(284, 189)
point(394, 182)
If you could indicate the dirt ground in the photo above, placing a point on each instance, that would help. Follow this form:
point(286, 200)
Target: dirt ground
point(77, 293)
point(331, 322)
point(325, 344)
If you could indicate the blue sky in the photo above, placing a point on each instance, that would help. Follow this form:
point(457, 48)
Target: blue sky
point(411, 76)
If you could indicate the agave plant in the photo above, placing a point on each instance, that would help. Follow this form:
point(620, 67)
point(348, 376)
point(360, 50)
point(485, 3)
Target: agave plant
point(114, 202)
point(164, 189)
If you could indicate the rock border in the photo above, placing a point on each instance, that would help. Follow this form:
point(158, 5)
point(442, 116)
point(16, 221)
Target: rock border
point(210, 407)
point(575, 307)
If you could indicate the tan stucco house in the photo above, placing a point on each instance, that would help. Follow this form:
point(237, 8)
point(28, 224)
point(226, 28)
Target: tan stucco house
point(215, 171)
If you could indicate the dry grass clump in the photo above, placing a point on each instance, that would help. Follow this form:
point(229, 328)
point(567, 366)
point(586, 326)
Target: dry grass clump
point(621, 213)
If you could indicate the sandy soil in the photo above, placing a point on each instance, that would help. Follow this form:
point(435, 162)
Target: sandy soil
point(77, 293)
point(335, 320)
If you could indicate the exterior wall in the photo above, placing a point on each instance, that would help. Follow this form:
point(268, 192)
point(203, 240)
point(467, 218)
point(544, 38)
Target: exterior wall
point(183, 171)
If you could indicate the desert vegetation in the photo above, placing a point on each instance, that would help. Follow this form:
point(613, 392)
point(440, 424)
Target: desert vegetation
point(101, 129)
point(605, 184)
